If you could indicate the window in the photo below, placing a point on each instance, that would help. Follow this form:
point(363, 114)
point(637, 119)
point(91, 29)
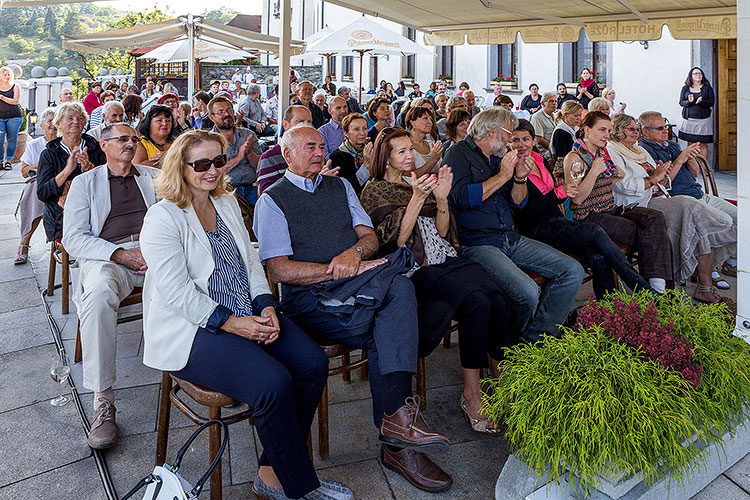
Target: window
point(410, 62)
point(347, 67)
point(504, 61)
point(332, 66)
point(445, 60)
point(583, 54)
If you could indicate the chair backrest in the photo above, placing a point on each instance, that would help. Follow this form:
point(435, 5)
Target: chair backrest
point(247, 215)
point(708, 176)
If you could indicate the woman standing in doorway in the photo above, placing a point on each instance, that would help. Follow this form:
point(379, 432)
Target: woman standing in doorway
point(697, 99)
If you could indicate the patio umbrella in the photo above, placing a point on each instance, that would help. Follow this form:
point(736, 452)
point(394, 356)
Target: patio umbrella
point(362, 36)
point(318, 35)
point(206, 50)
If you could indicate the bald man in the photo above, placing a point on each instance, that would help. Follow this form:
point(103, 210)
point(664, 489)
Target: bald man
point(333, 134)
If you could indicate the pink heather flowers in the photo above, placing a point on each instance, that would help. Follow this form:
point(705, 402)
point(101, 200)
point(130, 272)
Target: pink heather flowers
point(640, 328)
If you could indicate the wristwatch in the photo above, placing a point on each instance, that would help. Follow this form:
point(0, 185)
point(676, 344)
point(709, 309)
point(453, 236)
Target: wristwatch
point(360, 250)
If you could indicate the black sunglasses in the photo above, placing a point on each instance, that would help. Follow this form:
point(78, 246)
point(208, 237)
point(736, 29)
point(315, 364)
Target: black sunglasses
point(204, 164)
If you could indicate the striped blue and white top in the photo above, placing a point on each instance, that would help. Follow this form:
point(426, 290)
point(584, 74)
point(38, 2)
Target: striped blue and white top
point(228, 284)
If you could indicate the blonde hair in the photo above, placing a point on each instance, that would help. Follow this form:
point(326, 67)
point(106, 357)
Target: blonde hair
point(171, 184)
point(12, 74)
point(597, 102)
point(568, 108)
point(619, 122)
point(68, 107)
point(607, 91)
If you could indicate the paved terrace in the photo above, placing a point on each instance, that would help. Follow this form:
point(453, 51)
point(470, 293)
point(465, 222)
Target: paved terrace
point(44, 451)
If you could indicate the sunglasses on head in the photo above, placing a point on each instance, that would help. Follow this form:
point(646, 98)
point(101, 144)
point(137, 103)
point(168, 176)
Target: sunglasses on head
point(204, 164)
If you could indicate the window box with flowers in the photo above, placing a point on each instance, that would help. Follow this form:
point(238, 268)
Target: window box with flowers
point(506, 83)
point(446, 78)
point(408, 79)
point(347, 77)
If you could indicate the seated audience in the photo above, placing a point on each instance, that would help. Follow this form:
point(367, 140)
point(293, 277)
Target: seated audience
point(329, 86)
point(454, 103)
point(456, 127)
point(441, 103)
point(200, 118)
point(427, 148)
point(400, 91)
point(543, 122)
point(541, 219)
point(271, 166)
point(432, 91)
point(30, 208)
point(315, 239)
point(442, 88)
point(413, 212)
point(133, 114)
point(415, 91)
point(563, 95)
point(615, 107)
point(590, 167)
point(93, 99)
point(305, 94)
point(254, 114)
point(471, 103)
point(345, 93)
point(112, 112)
point(683, 173)
point(353, 157)
point(149, 91)
point(378, 114)
point(599, 104)
point(243, 150)
point(533, 101)
point(64, 158)
point(95, 118)
point(567, 119)
point(104, 214)
point(485, 187)
point(210, 304)
point(66, 95)
point(462, 87)
point(272, 108)
point(157, 133)
point(333, 134)
point(416, 103)
point(503, 101)
point(172, 101)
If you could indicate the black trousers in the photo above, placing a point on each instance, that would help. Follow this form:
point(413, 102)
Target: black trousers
point(590, 243)
point(282, 381)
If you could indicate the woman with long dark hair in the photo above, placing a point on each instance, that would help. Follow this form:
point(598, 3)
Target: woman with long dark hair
point(697, 100)
point(157, 133)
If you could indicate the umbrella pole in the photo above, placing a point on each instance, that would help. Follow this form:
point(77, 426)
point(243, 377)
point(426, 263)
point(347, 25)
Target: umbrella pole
point(191, 60)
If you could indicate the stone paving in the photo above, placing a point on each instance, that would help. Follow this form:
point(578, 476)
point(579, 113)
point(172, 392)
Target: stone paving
point(44, 451)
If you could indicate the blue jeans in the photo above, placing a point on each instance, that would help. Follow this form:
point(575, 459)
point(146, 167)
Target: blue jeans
point(9, 130)
point(249, 192)
point(537, 311)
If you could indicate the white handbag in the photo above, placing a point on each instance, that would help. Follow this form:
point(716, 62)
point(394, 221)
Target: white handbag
point(165, 483)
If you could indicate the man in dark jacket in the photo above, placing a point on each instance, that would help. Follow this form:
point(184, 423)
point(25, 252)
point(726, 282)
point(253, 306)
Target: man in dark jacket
point(63, 159)
point(314, 236)
point(351, 102)
point(305, 94)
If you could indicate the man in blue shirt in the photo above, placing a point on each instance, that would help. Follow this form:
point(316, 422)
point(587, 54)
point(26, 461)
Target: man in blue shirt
point(485, 187)
point(314, 237)
point(683, 172)
point(333, 134)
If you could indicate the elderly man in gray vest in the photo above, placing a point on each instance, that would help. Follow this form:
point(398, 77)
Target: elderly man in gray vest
point(315, 239)
point(104, 212)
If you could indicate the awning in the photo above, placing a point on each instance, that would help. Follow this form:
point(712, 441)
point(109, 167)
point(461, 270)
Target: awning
point(479, 22)
point(149, 34)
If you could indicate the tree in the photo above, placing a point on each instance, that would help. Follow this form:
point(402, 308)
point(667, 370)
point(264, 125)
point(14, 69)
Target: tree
point(221, 16)
point(73, 24)
point(20, 45)
point(51, 22)
point(138, 18)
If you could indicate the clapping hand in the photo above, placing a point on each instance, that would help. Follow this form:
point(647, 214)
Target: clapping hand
point(367, 155)
point(327, 170)
point(507, 165)
point(437, 148)
point(444, 183)
point(423, 186)
point(523, 167)
point(691, 98)
point(571, 189)
point(599, 166)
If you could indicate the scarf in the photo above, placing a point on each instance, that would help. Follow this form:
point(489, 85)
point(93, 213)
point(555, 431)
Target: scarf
point(544, 182)
point(386, 202)
point(588, 157)
point(587, 83)
point(346, 147)
point(635, 153)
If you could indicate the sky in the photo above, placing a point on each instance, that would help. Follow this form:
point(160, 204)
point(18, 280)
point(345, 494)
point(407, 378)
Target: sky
point(187, 6)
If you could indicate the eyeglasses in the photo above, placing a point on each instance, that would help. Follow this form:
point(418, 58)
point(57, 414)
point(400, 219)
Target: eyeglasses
point(204, 164)
point(631, 129)
point(222, 112)
point(660, 128)
point(506, 130)
point(123, 138)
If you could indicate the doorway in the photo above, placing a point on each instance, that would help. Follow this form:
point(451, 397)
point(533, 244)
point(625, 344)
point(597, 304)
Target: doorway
point(726, 107)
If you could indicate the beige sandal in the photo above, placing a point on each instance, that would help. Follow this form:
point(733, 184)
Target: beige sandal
point(706, 295)
point(479, 425)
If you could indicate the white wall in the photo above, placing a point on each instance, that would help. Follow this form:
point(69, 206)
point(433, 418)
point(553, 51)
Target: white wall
point(539, 62)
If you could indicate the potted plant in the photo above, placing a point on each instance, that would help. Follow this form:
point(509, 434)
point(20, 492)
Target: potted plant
point(505, 82)
point(640, 386)
point(347, 77)
point(446, 78)
point(596, 79)
point(408, 79)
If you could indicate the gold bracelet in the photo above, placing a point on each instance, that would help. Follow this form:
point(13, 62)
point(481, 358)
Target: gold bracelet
point(442, 211)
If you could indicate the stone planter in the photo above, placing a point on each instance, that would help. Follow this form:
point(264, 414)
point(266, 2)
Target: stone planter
point(506, 85)
point(408, 81)
point(518, 482)
point(449, 81)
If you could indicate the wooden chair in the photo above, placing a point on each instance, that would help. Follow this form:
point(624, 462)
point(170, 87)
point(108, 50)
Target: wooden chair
point(135, 297)
point(58, 255)
point(204, 397)
point(708, 176)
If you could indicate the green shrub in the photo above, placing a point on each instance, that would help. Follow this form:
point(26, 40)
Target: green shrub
point(597, 406)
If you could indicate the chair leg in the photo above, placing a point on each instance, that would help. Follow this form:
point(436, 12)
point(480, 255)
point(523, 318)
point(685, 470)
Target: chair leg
point(214, 443)
point(309, 446)
point(323, 424)
point(163, 425)
point(65, 282)
point(447, 340)
point(52, 270)
point(364, 372)
point(421, 387)
point(346, 374)
point(79, 348)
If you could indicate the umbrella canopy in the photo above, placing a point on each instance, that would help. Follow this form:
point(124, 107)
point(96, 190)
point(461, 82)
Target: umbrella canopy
point(205, 50)
point(366, 35)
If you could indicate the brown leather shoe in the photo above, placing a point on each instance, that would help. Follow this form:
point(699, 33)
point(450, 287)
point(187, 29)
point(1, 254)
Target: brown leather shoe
point(417, 469)
point(407, 429)
point(103, 433)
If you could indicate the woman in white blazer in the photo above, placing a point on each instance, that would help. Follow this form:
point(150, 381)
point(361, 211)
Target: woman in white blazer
point(209, 316)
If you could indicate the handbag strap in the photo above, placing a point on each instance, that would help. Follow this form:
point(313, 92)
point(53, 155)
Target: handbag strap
point(199, 485)
point(143, 482)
